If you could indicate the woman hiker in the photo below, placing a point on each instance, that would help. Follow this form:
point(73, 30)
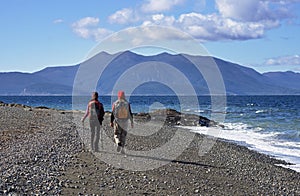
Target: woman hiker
point(95, 112)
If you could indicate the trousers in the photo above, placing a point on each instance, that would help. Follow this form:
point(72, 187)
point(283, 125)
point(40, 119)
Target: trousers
point(95, 134)
point(120, 133)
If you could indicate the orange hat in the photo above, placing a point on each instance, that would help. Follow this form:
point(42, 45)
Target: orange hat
point(121, 94)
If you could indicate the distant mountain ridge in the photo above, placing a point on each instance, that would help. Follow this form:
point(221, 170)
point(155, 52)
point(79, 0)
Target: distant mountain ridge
point(238, 80)
point(289, 79)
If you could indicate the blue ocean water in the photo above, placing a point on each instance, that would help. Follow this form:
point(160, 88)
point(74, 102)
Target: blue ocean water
point(269, 124)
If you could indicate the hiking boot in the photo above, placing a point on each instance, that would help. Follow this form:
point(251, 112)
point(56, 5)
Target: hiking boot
point(122, 151)
point(118, 148)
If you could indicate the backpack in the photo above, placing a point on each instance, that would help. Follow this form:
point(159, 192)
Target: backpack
point(121, 110)
point(95, 111)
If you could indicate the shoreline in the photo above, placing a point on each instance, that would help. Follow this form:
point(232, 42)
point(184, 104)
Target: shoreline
point(171, 117)
point(41, 153)
point(259, 146)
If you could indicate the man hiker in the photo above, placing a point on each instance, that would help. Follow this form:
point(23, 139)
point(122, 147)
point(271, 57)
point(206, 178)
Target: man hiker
point(121, 113)
point(95, 112)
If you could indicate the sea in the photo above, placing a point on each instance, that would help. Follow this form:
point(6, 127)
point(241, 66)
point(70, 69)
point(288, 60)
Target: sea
point(267, 124)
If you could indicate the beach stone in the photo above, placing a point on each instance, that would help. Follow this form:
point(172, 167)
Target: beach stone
point(48, 157)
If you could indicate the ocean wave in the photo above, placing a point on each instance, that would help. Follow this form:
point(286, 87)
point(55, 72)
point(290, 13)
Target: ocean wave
point(257, 139)
point(259, 111)
point(291, 135)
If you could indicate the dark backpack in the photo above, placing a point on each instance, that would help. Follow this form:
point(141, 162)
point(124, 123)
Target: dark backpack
point(96, 111)
point(121, 110)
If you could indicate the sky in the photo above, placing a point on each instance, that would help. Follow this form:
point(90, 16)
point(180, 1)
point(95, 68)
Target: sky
point(260, 34)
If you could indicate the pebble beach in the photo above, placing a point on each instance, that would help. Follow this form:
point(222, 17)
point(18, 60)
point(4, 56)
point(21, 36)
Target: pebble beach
point(42, 153)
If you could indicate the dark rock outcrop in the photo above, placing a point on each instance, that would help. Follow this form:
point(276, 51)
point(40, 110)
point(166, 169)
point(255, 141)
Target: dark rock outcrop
point(173, 117)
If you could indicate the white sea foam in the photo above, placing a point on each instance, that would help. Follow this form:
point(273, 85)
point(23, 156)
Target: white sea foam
point(256, 139)
point(259, 111)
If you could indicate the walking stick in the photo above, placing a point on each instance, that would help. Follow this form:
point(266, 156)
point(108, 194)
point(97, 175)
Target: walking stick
point(83, 135)
point(101, 138)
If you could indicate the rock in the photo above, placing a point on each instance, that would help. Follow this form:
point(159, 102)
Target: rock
point(173, 117)
point(42, 107)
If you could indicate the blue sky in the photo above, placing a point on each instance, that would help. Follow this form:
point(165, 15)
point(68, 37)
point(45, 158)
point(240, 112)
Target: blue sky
point(261, 34)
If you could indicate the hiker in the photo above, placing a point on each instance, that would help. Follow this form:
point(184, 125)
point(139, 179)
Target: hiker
point(121, 113)
point(95, 112)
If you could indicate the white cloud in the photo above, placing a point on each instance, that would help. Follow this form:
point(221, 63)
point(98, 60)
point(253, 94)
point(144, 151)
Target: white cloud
point(148, 35)
point(157, 17)
point(160, 5)
point(234, 19)
point(284, 2)
point(86, 22)
point(88, 28)
point(100, 33)
point(252, 10)
point(215, 27)
point(210, 27)
point(57, 21)
point(160, 19)
point(284, 60)
point(123, 16)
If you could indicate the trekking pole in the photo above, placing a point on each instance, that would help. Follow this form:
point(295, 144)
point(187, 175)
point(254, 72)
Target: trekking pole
point(83, 135)
point(101, 139)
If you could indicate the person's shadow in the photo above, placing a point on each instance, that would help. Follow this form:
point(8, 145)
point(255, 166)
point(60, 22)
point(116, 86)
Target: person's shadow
point(160, 159)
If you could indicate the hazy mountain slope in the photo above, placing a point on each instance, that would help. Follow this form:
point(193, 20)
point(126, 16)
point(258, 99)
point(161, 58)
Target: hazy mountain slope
point(61, 75)
point(238, 80)
point(17, 83)
point(287, 79)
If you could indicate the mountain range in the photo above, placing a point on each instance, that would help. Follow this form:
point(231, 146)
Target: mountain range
point(238, 80)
